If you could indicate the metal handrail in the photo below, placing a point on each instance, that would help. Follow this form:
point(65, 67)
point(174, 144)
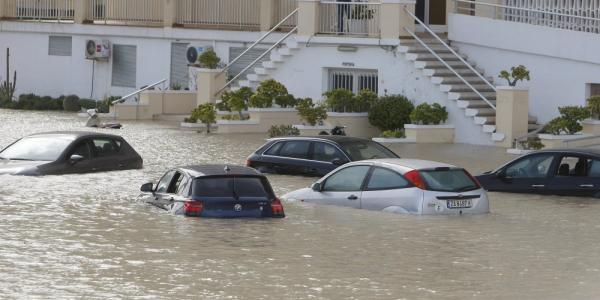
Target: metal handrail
point(257, 60)
point(264, 36)
point(450, 68)
point(528, 10)
point(526, 136)
point(138, 91)
point(450, 49)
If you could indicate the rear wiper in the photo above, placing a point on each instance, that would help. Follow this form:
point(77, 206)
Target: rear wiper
point(466, 188)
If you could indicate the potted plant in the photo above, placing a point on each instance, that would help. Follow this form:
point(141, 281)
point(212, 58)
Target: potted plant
point(516, 74)
point(205, 113)
point(236, 101)
point(209, 59)
point(565, 127)
point(313, 116)
point(427, 124)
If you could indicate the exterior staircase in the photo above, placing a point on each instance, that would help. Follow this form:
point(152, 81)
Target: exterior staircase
point(464, 96)
point(254, 76)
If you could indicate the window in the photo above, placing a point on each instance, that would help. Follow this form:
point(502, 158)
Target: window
point(383, 179)
point(274, 150)
point(105, 147)
point(326, 152)
point(36, 148)
point(361, 150)
point(82, 149)
point(574, 166)
point(179, 65)
point(60, 45)
point(536, 166)
point(230, 187)
point(173, 188)
point(594, 89)
point(250, 187)
point(124, 66)
point(295, 149)
point(594, 168)
point(353, 80)
point(449, 180)
point(347, 179)
point(183, 186)
point(163, 184)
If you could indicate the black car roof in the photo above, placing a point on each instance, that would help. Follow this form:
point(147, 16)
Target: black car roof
point(332, 138)
point(75, 134)
point(590, 152)
point(219, 170)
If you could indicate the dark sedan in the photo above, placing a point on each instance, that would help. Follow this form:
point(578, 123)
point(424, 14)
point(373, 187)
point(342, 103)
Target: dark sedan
point(566, 172)
point(314, 156)
point(214, 191)
point(55, 153)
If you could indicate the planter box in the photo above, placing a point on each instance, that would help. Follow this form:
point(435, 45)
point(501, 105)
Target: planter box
point(236, 126)
point(357, 124)
point(394, 140)
point(268, 117)
point(442, 134)
point(514, 151)
point(591, 126)
point(307, 130)
point(569, 140)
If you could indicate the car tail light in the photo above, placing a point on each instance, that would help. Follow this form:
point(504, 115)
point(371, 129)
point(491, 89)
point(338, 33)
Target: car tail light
point(277, 208)
point(248, 163)
point(193, 208)
point(473, 178)
point(415, 178)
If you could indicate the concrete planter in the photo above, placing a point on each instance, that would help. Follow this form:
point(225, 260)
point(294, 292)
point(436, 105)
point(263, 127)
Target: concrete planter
point(515, 151)
point(237, 126)
point(443, 134)
point(591, 126)
point(394, 140)
point(512, 114)
point(274, 116)
point(568, 140)
point(308, 130)
point(357, 124)
point(206, 83)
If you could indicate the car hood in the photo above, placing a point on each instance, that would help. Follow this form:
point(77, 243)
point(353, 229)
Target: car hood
point(20, 167)
point(297, 195)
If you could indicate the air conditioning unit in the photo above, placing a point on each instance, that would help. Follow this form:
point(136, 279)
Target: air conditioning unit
point(193, 53)
point(97, 49)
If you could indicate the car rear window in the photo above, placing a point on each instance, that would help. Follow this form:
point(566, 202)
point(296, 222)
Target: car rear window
point(230, 187)
point(448, 180)
point(362, 150)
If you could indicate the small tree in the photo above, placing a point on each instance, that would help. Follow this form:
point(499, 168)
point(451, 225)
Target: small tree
point(569, 121)
point(363, 101)
point(390, 112)
point(269, 92)
point(339, 100)
point(518, 73)
point(237, 100)
point(209, 59)
point(205, 113)
point(311, 113)
point(593, 104)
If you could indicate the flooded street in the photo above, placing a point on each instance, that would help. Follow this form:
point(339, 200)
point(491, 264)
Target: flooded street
point(85, 236)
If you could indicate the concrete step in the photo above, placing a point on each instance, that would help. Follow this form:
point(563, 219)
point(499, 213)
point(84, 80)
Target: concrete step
point(426, 56)
point(276, 57)
point(292, 43)
point(485, 120)
point(489, 128)
point(285, 51)
point(474, 103)
point(471, 96)
point(480, 112)
point(465, 88)
point(453, 79)
point(498, 137)
point(261, 71)
point(456, 64)
point(270, 65)
point(444, 72)
point(430, 41)
point(257, 77)
point(248, 83)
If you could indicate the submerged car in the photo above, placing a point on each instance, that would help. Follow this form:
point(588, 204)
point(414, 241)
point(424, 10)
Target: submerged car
point(314, 156)
point(214, 191)
point(565, 172)
point(55, 153)
point(405, 186)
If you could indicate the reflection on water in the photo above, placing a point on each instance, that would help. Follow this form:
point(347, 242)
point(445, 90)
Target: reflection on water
point(84, 235)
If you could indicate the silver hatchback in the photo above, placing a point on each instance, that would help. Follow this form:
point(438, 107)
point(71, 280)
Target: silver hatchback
point(400, 186)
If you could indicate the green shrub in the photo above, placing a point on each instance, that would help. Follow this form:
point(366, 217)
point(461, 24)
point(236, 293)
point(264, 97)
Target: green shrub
point(569, 121)
point(593, 104)
point(236, 100)
point(390, 112)
point(71, 103)
point(363, 101)
point(283, 130)
point(190, 120)
point(205, 113)
point(426, 114)
point(34, 102)
point(393, 134)
point(286, 101)
point(260, 101)
point(176, 86)
point(209, 59)
point(269, 92)
point(311, 113)
point(532, 143)
point(518, 73)
point(339, 100)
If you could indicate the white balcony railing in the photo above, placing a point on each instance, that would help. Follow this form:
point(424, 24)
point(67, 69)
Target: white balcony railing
point(40, 10)
point(241, 14)
point(285, 8)
point(127, 11)
point(349, 18)
point(578, 15)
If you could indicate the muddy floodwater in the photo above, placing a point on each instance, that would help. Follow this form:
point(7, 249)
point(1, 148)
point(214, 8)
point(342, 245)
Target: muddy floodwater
point(85, 236)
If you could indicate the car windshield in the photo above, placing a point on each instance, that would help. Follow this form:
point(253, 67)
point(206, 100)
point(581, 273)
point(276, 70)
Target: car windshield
point(448, 180)
point(230, 187)
point(361, 150)
point(36, 148)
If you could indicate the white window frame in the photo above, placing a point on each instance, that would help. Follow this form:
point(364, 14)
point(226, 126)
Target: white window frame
point(352, 83)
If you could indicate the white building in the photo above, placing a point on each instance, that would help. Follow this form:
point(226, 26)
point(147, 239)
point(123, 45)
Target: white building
point(374, 44)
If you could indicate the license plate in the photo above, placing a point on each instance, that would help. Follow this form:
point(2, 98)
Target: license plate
point(463, 203)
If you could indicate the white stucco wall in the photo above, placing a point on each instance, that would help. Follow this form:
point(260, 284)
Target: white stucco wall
point(561, 62)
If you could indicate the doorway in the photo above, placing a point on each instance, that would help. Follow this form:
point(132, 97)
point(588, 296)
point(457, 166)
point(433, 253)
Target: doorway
point(432, 12)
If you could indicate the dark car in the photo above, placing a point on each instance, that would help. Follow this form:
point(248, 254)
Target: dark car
point(315, 156)
point(214, 191)
point(55, 153)
point(566, 172)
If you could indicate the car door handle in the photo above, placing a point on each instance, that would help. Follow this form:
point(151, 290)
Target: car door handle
point(586, 185)
point(536, 186)
point(352, 197)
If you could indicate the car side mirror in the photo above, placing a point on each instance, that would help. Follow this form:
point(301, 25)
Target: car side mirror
point(147, 187)
point(338, 162)
point(316, 187)
point(75, 158)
